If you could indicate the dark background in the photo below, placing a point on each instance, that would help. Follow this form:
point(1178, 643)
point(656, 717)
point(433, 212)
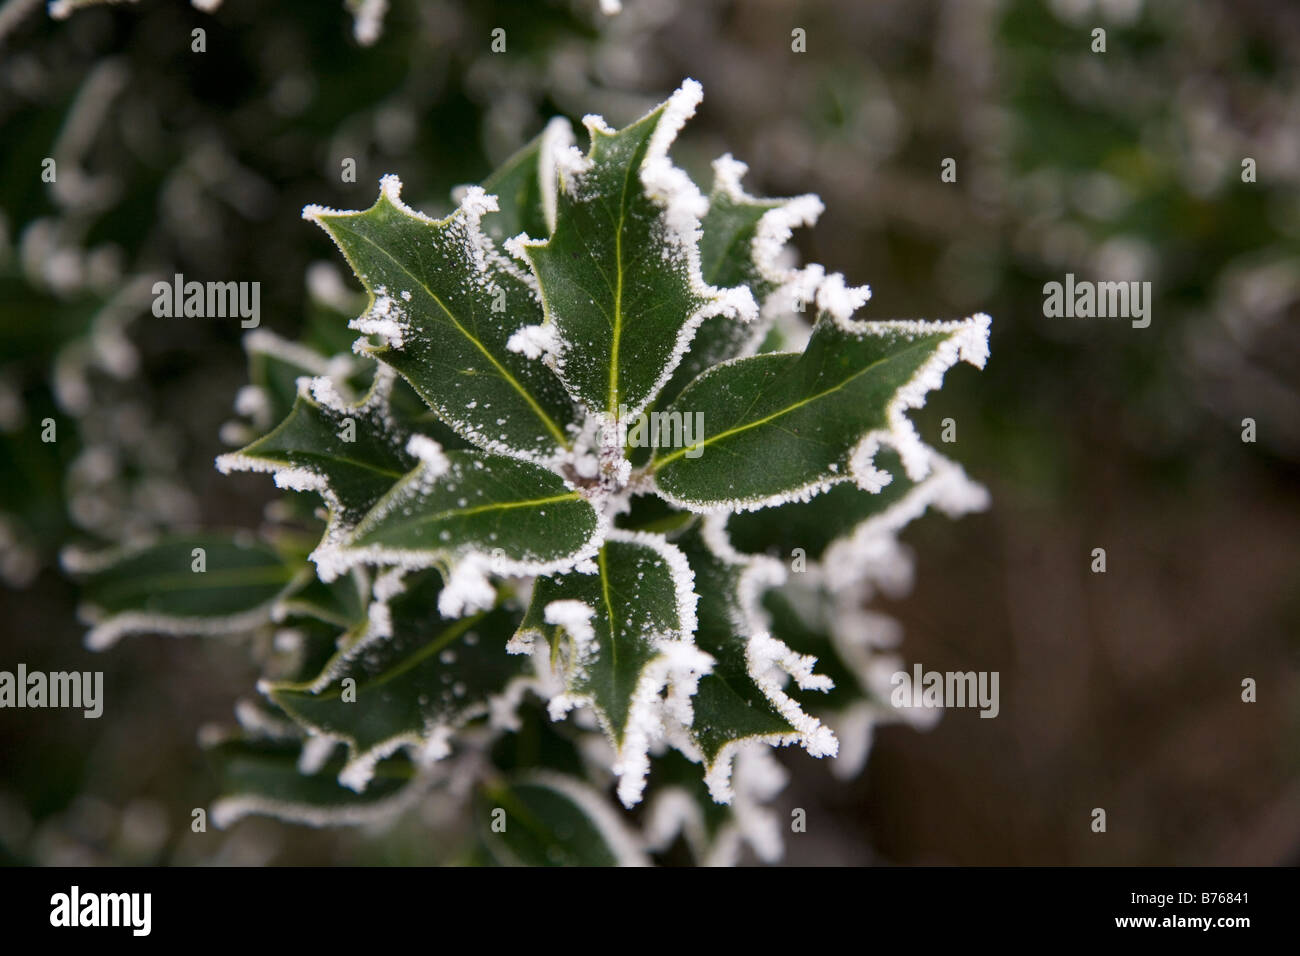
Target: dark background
point(1119, 691)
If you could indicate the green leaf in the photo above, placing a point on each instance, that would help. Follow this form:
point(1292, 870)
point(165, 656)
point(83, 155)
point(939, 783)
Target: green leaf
point(416, 678)
point(302, 645)
point(473, 512)
point(412, 415)
point(678, 808)
point(525, 186)
point(813, 525)
point(852, 533)
point(548, 819)
point(350, 454)
point(340, 603)
point(813, 636)
point(741, 701)
point(780, 427)
point(619, 637)
point(853, 646)
point(267, 778)
point(534, 741)
point(160, 589)
point(274, 367)
point(620, 274)
point(681, 816)
point(741, 240)
point(444, 302)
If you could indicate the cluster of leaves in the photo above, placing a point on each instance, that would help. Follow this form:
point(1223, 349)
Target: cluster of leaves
point(472, 545)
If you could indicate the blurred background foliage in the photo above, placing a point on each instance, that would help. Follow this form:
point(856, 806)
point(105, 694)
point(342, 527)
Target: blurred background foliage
point(1119, 691)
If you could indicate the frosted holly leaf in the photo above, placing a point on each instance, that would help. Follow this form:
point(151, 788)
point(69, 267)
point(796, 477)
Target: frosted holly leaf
point(784, 426)
point(743, 700)
point(621, 639)
point(853, 647)
point(444, 302)
point(341, 602)
point(471, 513)
point(351, 454)
point(282, 778)
point(744, 236)
point(812, 525)
point(620, 274)
point(532, 740)
point(416, 678)
point(849, 530)
point(300, 647)
point(184, 585)
point(518, 189)
point(412, 415)
point(679, 809)
point(554, 820)
point(808, 633)
point(274, 367)
point(525, 186)
point(742, 240)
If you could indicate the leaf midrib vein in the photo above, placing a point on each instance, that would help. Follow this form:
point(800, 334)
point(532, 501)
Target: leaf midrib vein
point(609, 611)
point(504, 372)
point(202, 580)
point(703, 443)
point(453, 631)
point(618, 294)
point(494, 506)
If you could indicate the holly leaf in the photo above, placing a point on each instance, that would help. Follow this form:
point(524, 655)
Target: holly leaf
point(471, 512)
point(274, 367)
point(183, 585)
point(853, 646)
point(850, 532)
point(620, 274)
point(340, 603)
point(415, 678)
point(786, 610)
point(267, 777)
point(742, 700)
point(813, 525)
point(550, 819)
point(742, 238)
point(411, 414)
point(443, 303)
point(525, 186)
point(303, 643)
point(680, 814)
point(349, 454)
point(785, 426)
point(621, 639)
